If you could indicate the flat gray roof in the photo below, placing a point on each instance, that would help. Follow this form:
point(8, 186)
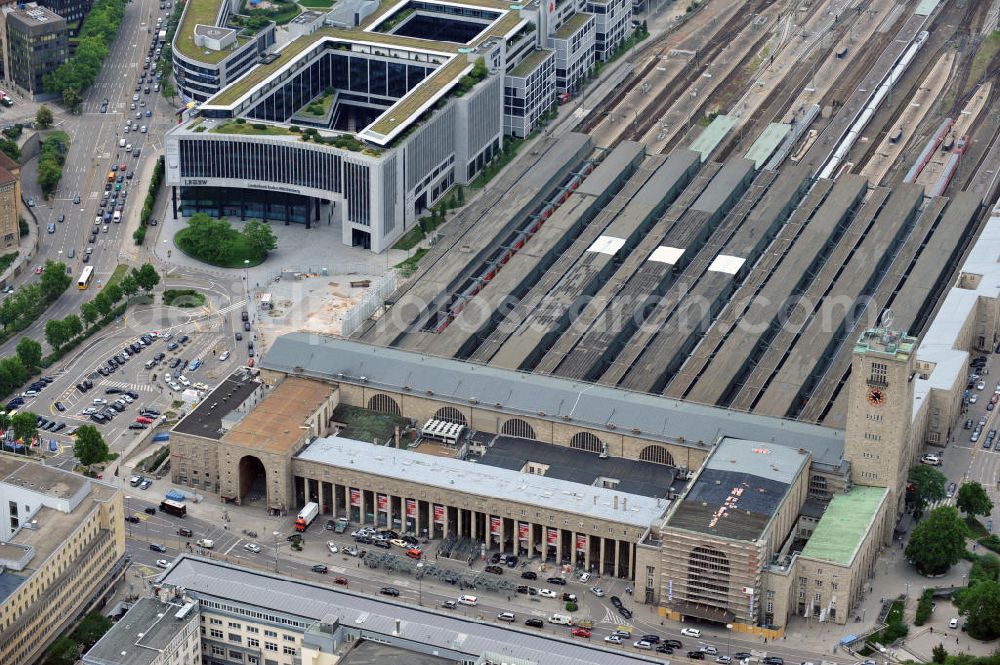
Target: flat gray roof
point(491, 482)
point(47, 480)
point(739, 489)
point(140, 636)
point(940, 344)
point(572, 465)
point(610, 169)
point(206, 419)
point(731, 178)
point(213, 579)
point(548, 397)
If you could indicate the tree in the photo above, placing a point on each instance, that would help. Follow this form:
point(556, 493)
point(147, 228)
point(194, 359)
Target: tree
point(929, 485)
point(939, 654)
point(72, 100)
point(103, 303)
point(973, 500)
point(260, 237)
point(30, 353)
point(8, 312)
point(89, 313)
point(12, 373)
point(146, 277)
point(114, 292)
point(43, 119)
point(49, 175)
point(55, 333)
point(167, 88)
point(55, 280)
point(130, 285)
point(73, 326)
point(10, 148)
point(63, 651)
point(25, 425)
point(90, 447)
point(937, 543)
point(92, 628)
point(980, 605)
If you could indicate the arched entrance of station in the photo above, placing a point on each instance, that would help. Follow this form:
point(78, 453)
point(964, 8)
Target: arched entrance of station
point(253, 481)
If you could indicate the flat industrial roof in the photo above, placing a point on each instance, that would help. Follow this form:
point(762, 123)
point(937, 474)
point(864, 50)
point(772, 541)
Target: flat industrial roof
point(570, 464)
point(767, 143)
point(141, 635)
point(547, 397)
point(451, 632)
point(455, 475)
point(206, 419)
point(940, 344)
point(709, 139)
point(47, 480)
point(275, 425)
point(739, 489)
point(845, 524)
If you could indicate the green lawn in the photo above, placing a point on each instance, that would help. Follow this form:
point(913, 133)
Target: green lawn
point(316, 4)
point(241, 252)
point(183, 298)
point(117, 276)
point(409, 266)
point(323, 102)
point(6, 260)
point(366, 425)
point(250, 129)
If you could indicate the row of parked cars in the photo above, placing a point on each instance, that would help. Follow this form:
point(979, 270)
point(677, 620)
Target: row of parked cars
point(33, 389)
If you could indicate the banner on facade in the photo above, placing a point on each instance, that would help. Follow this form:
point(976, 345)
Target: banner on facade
point(551, 536)
point(383, 503)
point(522, 531)
point(494, 526)
point(355, 497)
point(411, 507)
point(581, 542)
point(439, 514)
point(670, 590)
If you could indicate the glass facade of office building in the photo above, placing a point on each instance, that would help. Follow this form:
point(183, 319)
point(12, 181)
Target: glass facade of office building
point(244, 204)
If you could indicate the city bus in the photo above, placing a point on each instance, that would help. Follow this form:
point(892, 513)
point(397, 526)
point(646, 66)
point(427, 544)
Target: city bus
point(173, 507)
point(85, 278)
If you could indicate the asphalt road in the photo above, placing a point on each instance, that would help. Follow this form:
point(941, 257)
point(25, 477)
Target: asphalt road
point(93, 150)
point(430, 592)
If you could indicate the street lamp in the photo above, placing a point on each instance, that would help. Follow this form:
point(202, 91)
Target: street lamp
point(275, 534)
point(420, 583)
point(128, 515)
point(729, 640)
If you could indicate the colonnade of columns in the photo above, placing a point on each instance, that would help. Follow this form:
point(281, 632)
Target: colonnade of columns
point(589, 551)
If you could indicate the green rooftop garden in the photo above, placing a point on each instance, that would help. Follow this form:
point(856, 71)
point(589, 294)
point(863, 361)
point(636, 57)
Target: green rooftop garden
point(198, 12)
point(366, 425)
point(254, 129)
point(319, 107)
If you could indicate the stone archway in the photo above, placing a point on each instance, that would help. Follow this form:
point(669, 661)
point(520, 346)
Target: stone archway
point(253, 480)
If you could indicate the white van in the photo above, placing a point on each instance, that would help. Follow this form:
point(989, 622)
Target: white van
point(561, 619)
point(128, 148)
point(506, 616)
point(117, 216)
point(121, 143)
point(471, 601)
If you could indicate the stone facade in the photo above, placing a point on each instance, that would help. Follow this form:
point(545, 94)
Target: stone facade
point(878, 441)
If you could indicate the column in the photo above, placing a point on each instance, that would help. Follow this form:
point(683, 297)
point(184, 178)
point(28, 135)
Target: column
point(559, 543)
point(460, 522)
point(586, 556)
point(615, 541)
point(347, 501)
point(603, 559)
point(503, 539)
point(531, 539)
point(573, 552)
point(364, 506)
point(444, 527)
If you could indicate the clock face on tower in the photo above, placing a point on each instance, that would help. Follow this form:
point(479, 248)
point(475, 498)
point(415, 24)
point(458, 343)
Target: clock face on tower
point(876, 397)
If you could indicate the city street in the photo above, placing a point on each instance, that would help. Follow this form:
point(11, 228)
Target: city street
point(94, 151)
point(228, 542)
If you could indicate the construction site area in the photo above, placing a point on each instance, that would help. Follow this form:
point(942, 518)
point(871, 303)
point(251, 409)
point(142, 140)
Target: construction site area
point(760, 189)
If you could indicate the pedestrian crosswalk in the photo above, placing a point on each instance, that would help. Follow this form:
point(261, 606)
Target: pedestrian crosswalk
point(613, 618)
point(940, 502)
point(137, 387)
